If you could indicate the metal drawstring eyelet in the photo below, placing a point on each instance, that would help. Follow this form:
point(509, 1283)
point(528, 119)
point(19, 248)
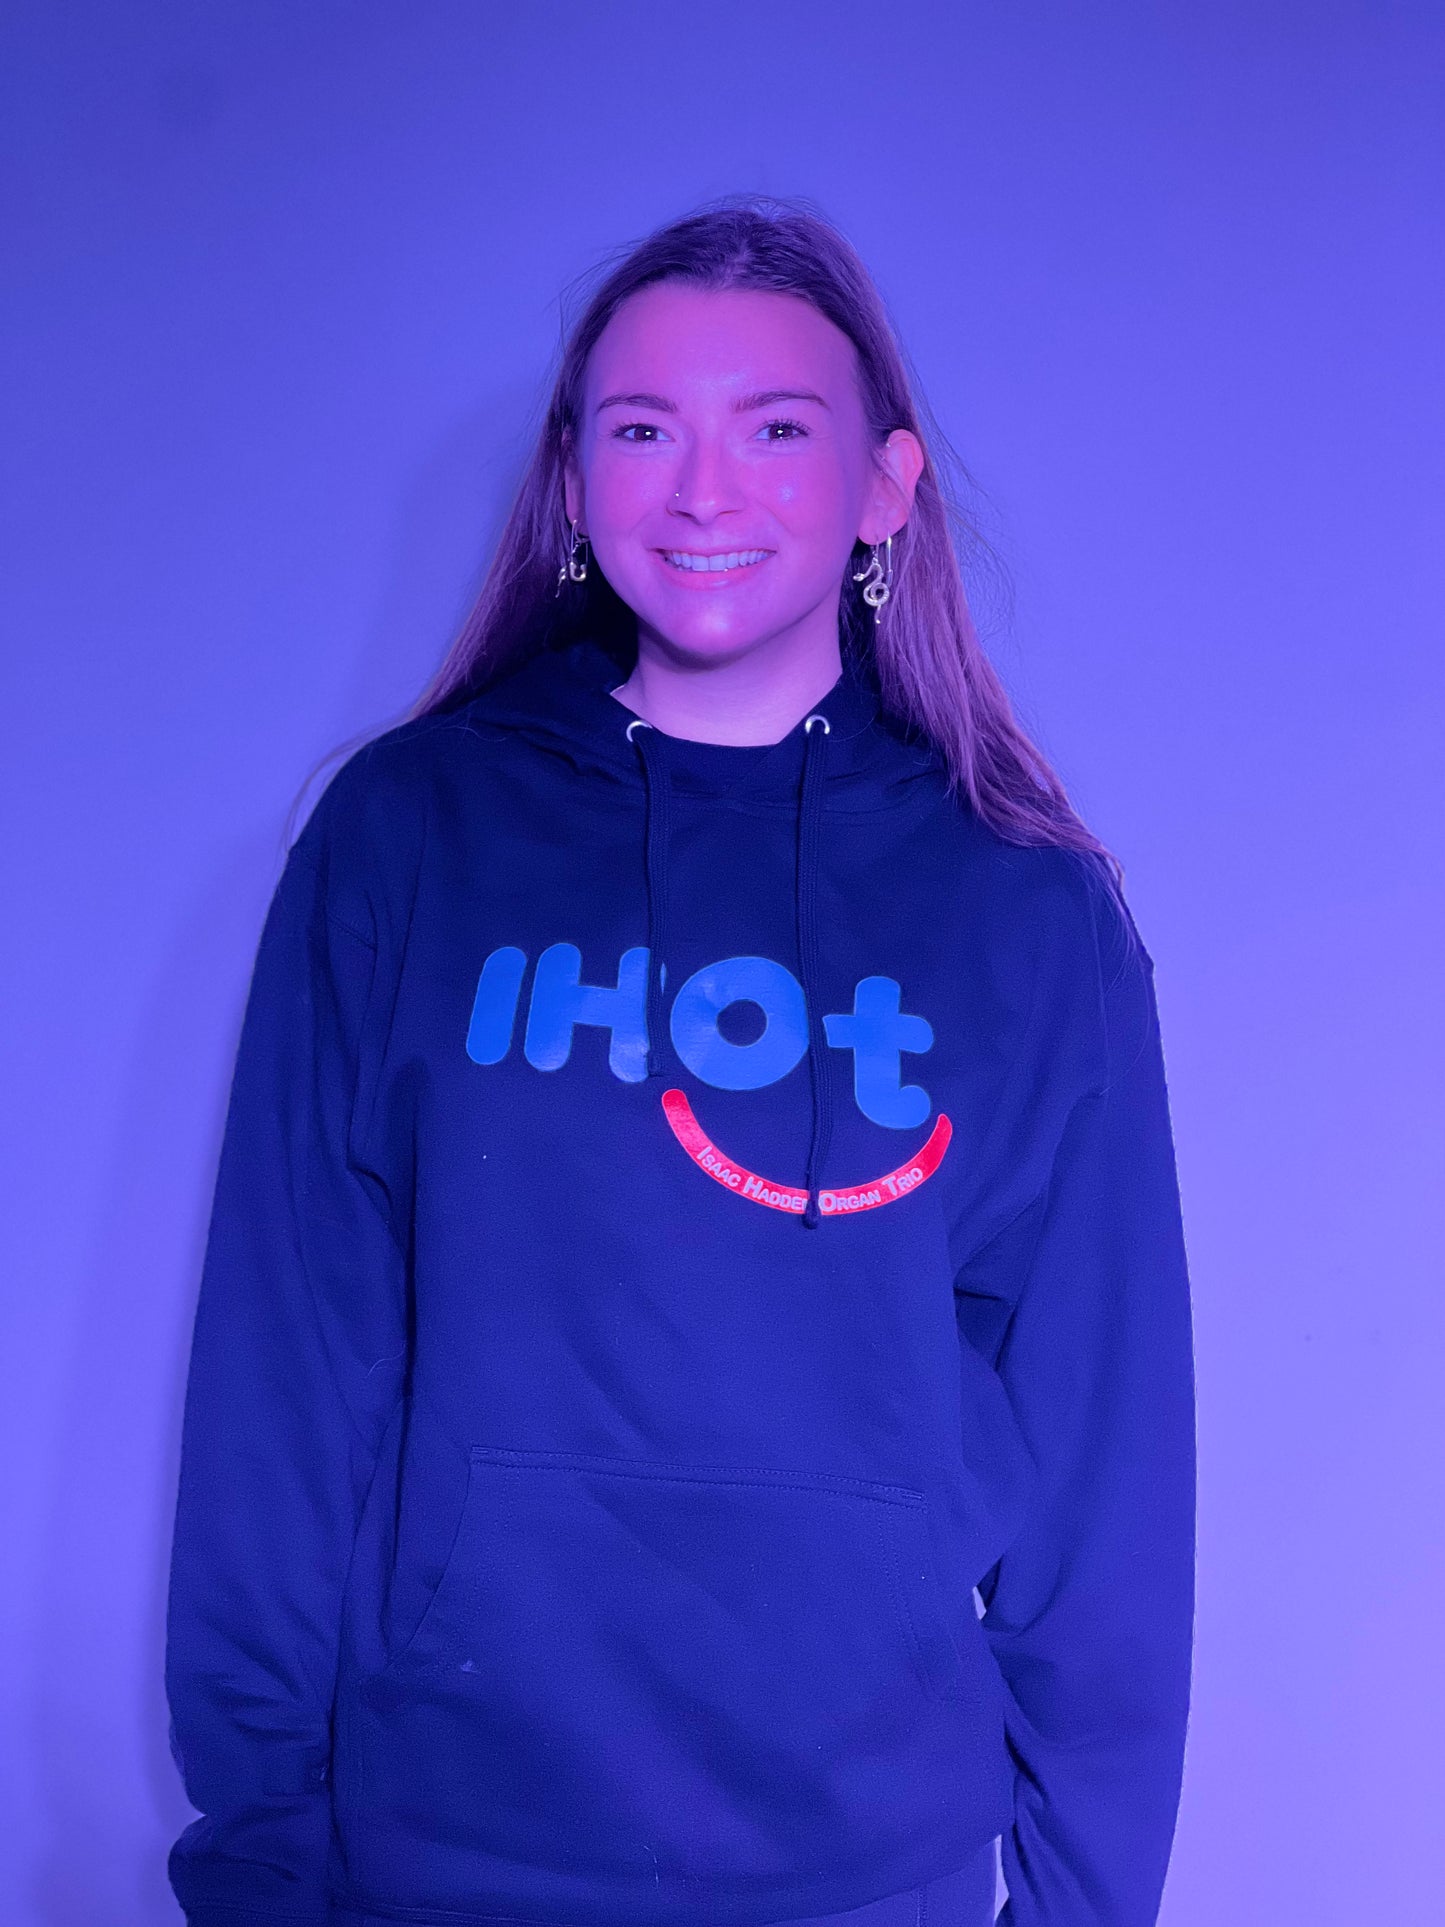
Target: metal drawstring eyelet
point(808, 722)
point(638, 722)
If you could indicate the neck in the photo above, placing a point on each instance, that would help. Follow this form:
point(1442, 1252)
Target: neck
point(749, 699)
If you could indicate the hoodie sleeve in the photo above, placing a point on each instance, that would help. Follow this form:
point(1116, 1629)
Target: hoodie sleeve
point(294, 1370)
point(1089, 1612)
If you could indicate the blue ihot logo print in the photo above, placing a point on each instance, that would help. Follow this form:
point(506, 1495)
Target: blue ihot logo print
point(877, 1031)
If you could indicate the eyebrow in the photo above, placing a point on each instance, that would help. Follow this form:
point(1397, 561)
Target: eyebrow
point(744, 403)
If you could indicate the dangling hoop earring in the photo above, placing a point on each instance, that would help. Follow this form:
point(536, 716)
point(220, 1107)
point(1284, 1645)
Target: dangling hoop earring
point(878, 585)
point(572, 569)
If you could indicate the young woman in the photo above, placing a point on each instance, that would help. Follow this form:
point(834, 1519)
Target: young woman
point(690, 1416)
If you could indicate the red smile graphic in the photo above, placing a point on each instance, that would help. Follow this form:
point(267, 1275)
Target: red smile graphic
point(782, 1197)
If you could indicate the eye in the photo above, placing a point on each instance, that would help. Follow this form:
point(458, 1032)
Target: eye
point(650, 429)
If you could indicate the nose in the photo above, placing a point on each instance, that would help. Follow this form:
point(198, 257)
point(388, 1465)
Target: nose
point(706, 482)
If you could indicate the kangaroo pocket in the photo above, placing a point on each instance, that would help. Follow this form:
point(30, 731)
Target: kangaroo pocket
point(636, 1676)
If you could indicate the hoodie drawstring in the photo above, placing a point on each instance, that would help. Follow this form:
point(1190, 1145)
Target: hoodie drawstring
point(810, 821)
point(810, 816)
point(659, 826)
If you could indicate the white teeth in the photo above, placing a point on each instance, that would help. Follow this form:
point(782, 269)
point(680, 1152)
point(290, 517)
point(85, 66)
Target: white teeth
point(739, 559)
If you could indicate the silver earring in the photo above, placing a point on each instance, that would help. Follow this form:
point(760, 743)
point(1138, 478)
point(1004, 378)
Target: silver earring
point(573, 569)
point(878, 585)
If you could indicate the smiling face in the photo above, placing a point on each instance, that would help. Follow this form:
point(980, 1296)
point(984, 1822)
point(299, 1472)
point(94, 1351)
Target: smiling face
point(723, 470)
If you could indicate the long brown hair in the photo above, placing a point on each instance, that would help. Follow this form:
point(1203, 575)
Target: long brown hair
point(931, 668)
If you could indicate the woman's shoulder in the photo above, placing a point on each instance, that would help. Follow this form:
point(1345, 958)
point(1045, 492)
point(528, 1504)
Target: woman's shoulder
point(1054, 886)
point(1061, 915)
point(366, 830)
point(388, 777)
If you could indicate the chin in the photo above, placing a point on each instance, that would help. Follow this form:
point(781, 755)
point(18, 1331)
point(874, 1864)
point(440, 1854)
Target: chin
point(704, 638)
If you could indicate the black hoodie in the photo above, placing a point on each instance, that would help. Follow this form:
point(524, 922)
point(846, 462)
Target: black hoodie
point(688, 1217)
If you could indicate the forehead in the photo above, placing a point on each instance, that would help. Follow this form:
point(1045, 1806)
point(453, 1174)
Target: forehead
point(688, 340)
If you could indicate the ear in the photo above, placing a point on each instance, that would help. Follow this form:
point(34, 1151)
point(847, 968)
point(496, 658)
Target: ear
point(890, 493)
point(572, 489)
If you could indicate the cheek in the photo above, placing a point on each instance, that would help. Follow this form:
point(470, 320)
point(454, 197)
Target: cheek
point(811, 503)
point(618, 494)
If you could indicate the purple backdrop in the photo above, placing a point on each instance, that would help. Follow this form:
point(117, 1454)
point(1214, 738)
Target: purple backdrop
point(281, 298)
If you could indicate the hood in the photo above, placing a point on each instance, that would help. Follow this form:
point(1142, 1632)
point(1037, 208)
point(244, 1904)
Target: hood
point(561, 700)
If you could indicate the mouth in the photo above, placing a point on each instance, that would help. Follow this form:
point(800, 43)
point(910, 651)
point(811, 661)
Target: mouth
point(717, 564)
